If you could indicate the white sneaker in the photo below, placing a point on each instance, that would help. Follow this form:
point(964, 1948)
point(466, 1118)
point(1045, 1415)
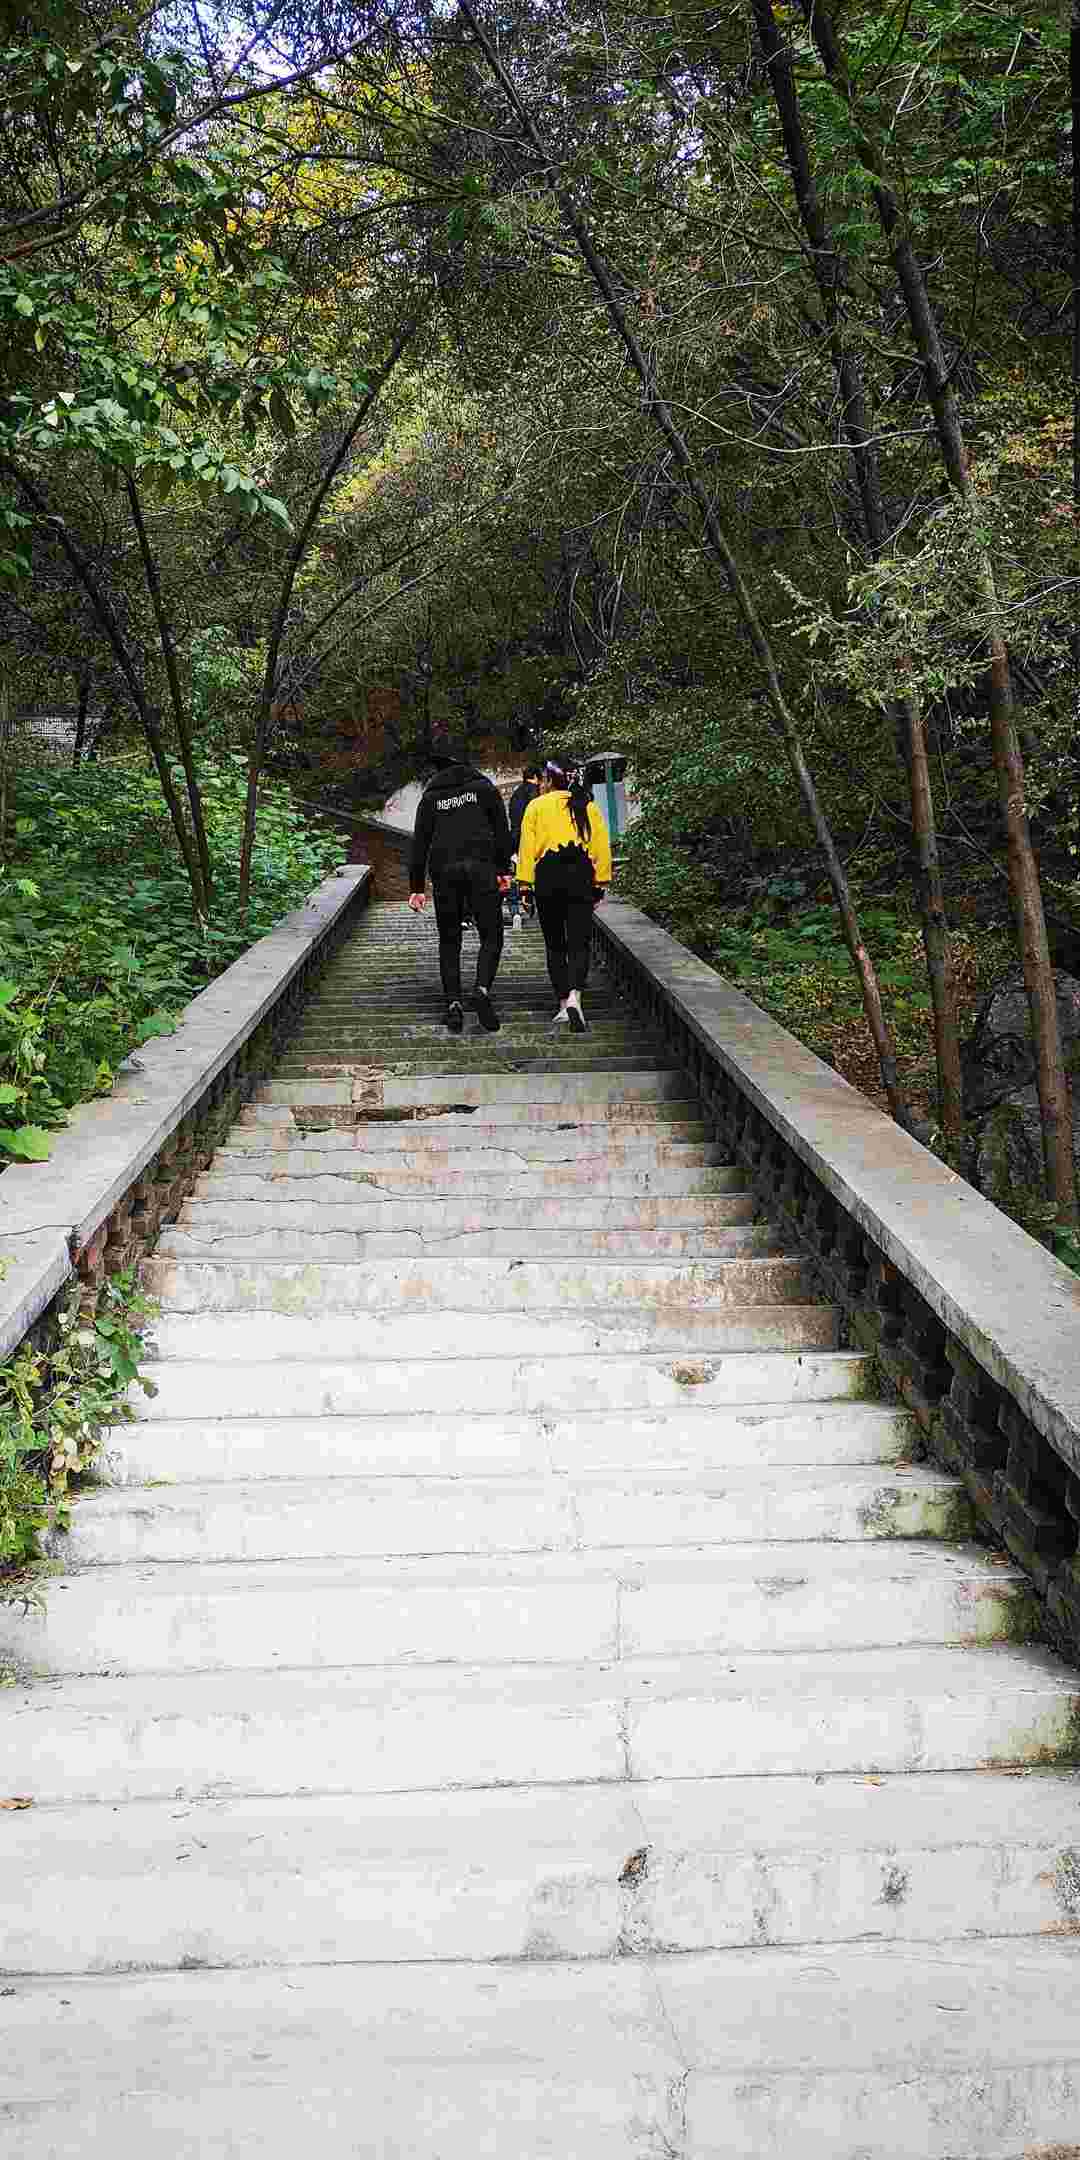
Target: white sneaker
point(562, 1018)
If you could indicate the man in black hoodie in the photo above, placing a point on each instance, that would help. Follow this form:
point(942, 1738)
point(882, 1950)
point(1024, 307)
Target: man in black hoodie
point(462, 839)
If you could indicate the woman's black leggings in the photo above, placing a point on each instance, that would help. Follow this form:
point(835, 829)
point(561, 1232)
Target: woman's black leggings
point(564, 906)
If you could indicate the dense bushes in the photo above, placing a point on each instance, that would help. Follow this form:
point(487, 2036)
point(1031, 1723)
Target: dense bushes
point(772, 929)
point(99, 948)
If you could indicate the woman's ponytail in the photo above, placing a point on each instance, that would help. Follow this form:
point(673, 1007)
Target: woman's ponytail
point(572, 778)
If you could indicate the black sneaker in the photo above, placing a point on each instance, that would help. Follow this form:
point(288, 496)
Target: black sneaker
point(486, 1013)
point(455, 1018)
point(578, 1022)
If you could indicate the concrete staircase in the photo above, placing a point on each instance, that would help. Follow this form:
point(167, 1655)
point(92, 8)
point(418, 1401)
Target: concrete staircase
point(519, 1698)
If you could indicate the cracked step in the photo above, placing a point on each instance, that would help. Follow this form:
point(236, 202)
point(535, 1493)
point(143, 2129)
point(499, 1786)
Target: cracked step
point(581, 1872)
point(811, 1438)
point(307, 1176)
point(115, 1737)
point(244, 1229)
point(340, 1199)
point(873, 2052)
point(305, 1517)
point(179, 1274)
point(500, 1606)
point(420, 1089)
point(211, 1368)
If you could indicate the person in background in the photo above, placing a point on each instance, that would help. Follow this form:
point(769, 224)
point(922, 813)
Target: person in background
point(565, 857)
point(461, 837)
point(526, 791)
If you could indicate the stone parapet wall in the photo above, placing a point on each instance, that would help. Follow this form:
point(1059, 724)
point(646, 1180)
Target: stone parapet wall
point(975, 1325)
point(123, 1165)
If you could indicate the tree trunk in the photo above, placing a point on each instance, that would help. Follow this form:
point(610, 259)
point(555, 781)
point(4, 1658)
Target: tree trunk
point(296, 556)
point(80, 722)
point(830, 276)
point(148, 719)
point(720, 548)
point(168, 650)
point(1023, 869)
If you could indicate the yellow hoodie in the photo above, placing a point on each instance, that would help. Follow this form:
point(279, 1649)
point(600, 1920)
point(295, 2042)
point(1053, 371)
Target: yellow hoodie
point(548, 824)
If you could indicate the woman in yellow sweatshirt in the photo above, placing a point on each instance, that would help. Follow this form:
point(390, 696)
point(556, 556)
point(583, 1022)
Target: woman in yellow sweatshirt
point(564, 854)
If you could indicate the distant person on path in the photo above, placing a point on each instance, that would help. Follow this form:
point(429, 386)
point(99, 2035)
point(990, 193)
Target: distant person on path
point(526, 791)
point(565, 856)
point(462, 839)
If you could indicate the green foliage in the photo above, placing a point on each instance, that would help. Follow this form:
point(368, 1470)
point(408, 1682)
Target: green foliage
point(56, 1407)
point(99, 949)
point(786, 951)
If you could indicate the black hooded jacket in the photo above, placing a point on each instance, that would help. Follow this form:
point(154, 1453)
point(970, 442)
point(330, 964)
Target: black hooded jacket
point(461, 817)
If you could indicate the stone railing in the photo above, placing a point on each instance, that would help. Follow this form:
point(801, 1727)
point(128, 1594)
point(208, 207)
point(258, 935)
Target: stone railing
point(123, 1165)
point(973, 1323)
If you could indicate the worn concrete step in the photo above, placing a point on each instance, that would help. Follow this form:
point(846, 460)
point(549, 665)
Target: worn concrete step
point(241, 1230)
point(294, 1175)
point(685, 1145)
point(181, 1451)
point(116, 1737)
point(332, 1050)
point(487, 1061)
point(520, 1004)
point(545, 1608)
point(206, 1370)
point(288, 1205)
point(874, 2052)
point(505, 1155)
point(461, 1087)
point(442, 1126)
point(581, 1872)
point(367, 1043)
point(304, 1516)
point(234, 1280)
point(364, 1028)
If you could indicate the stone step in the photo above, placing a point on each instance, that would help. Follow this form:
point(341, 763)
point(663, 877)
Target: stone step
point(521, 1002)
point(207, 1371)
point(489, 1059)
point(581, 1872)
point(461, 1088)
point(286, 1204)
point(114, 1737)
point(552, 1608)
point(503, 1156)
point(234, 1280)
point(335, 1050)
point(294, 1175)
point(604, 1119)
point(250, 1230)
point(875, 2052)
point(177, 1450)
point(304, 1516)
point(365, 1029)
point(327, 2030)
point(370, 1041)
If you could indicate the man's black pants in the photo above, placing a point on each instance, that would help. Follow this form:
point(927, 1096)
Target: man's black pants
point(564, 907)
point(460, 889)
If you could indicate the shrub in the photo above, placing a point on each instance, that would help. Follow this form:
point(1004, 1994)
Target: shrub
point(99, 948)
